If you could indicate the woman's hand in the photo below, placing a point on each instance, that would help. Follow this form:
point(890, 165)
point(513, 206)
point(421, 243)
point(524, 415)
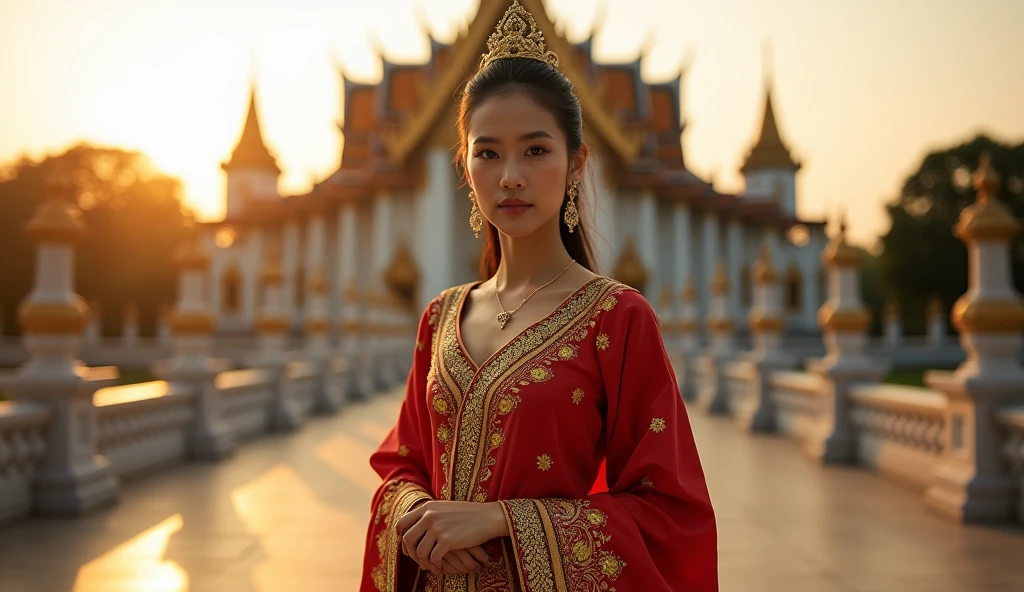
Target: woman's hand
point(435, 532)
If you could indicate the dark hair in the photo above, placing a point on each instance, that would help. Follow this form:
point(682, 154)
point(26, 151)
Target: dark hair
point(554, 92)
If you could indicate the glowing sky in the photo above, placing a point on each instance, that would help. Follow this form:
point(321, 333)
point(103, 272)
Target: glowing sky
point(863, 89)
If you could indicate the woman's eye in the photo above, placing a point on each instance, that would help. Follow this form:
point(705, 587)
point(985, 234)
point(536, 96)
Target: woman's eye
point(536, 150)
point(486, 154)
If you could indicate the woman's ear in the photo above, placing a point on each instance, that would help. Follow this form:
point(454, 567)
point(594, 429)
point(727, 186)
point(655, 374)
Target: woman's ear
point(577, 162)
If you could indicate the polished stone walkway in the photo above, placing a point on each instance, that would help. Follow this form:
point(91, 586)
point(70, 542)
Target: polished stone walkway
point(288, 513)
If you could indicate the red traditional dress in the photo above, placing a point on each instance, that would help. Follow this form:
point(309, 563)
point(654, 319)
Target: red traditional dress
point(576, 426)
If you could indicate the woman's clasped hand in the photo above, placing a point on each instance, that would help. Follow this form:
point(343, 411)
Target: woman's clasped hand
point(447, 536)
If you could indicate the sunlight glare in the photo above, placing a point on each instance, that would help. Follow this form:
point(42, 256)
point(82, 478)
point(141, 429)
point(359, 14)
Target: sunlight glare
point(136, 565)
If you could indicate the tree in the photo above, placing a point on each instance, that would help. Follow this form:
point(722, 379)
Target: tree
point(133, 219)
point(921, 256)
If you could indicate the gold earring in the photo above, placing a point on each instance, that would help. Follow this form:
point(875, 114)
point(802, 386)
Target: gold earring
point(572, 215)
point(476, 219)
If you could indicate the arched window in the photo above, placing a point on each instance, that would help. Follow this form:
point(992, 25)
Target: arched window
point(794, 289)
point(231, 291)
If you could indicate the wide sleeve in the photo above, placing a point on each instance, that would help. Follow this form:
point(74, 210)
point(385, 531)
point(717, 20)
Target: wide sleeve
point(654, 528)
point(403, 461)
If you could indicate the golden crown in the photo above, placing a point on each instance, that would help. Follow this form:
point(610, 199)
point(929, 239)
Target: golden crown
point(517, 36)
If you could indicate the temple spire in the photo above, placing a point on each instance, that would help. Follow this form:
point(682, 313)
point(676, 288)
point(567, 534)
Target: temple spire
point(770, 151)
point(251, 152)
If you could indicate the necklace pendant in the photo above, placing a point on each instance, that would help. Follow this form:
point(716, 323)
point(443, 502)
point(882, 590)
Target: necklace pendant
point(503, 318)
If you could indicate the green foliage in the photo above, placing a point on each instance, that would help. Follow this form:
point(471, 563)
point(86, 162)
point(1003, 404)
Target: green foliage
point(921, 255)
point(133, 219)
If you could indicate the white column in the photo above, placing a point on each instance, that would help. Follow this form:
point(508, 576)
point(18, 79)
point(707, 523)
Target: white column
point(757, 412)
point(683, 249)
point(647, 240)
point(291, 255)
point(441, 218)
point(973, 482)
point(383, 237)
point(317, 318)
point(72, 478)
point(191, 322)
point(844, 321)
point(735, 266)
point(709, 251)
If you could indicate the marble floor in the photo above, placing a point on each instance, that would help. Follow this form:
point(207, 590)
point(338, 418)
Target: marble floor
point(288, 513)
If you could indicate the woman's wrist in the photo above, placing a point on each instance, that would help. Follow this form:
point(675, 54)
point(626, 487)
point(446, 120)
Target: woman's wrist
point(499, 523)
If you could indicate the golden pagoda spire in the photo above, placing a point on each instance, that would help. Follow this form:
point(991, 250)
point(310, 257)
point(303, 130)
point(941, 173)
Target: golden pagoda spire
point(251, 152)
point(770, 150)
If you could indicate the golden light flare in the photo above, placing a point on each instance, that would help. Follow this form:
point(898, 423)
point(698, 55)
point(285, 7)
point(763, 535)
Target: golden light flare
point(136, 564)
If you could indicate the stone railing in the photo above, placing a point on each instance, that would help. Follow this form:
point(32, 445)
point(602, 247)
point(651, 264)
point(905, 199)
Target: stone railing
point(244, 395)
point(142, 427)
point(900, 430)
point(304, 381)
point(799, 403)
point(1012, 420)
point(23, 428)
point(739, 384)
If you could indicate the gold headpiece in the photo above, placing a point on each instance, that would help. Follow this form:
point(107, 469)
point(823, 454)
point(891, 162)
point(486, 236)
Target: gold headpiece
point(517, 36)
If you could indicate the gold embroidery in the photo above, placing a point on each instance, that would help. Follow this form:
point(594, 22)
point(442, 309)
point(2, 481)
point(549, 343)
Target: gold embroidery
point(541, 374)
point(398, 497)
point(609, 303)
point(579, 528)
point(530, 543)
point(403, 450)
point(602, 342)
point(497, 438)
point(560, 545)
point(567, 352)
point(647, 483)
point(577, 396)
point(544, 462)
point(507, 404)
point(511, 366)
point(440, 405)
point(658, 425)
point(442, 433)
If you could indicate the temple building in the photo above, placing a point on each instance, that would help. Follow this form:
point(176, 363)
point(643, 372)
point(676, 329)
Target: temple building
point(391, 223)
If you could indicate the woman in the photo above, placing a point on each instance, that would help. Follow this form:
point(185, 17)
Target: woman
point(542, 444)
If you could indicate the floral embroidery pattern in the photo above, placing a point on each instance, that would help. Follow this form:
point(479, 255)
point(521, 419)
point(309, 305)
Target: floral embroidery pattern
point(658, 425)
point(577, 396)
point(602, 342)
point(647, 483)
point(544, 462)
point(403, 450)
point(560, 545)
point(581, 538)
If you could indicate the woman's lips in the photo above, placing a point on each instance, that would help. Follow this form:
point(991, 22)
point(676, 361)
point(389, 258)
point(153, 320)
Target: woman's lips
point(514, 206)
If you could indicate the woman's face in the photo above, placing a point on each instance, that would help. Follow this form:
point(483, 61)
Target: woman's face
point(517, 163)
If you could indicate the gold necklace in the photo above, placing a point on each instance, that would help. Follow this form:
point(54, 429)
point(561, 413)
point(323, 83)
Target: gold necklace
point(505, 316)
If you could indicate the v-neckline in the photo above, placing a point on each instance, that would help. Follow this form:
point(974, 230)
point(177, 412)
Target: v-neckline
point(458, 324)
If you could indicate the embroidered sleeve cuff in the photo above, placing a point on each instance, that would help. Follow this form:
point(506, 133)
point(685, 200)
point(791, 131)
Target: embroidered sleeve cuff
point(399, 497)
point(559, 543)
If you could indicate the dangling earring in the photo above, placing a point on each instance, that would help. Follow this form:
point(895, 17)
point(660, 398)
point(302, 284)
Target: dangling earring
point(572, 215)
point(476, 219)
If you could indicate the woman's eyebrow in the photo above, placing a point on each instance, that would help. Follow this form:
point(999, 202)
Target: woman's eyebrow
point(522, 138)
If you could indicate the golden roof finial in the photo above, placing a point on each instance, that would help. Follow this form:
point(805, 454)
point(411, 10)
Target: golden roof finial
point(986, 179)
point(517, 36)
point(987, 218)
point(720, 280)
